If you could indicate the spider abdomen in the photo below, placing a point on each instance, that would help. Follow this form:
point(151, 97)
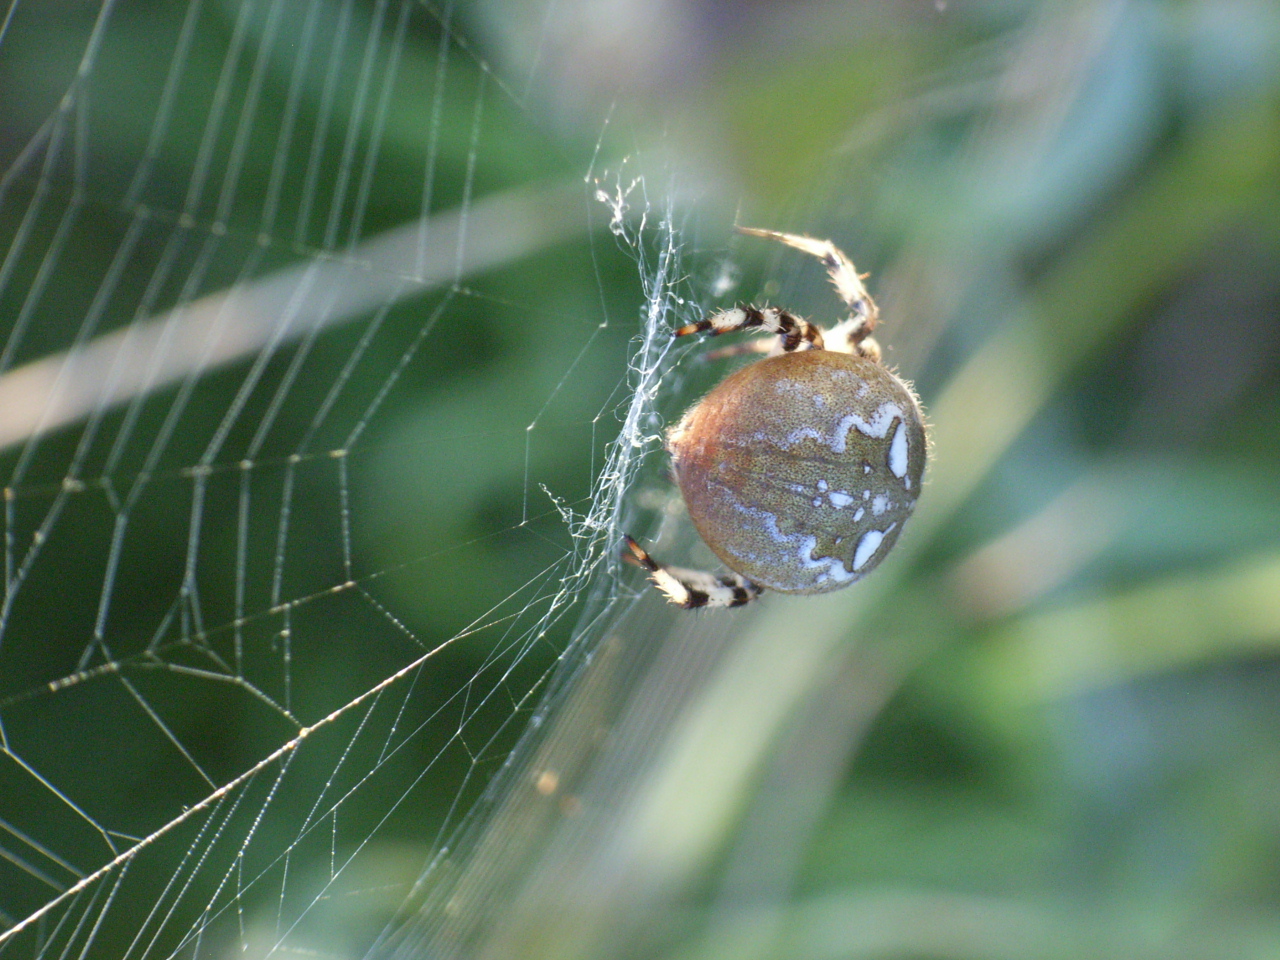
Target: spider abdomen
point(800, 470)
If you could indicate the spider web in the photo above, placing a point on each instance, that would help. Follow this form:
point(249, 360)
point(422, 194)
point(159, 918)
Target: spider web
point(241, 280)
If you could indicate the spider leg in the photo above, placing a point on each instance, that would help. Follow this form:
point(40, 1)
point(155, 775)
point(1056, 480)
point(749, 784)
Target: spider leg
point(794, 333)
point(692, 588)
point(742, 349)
point(864, 314)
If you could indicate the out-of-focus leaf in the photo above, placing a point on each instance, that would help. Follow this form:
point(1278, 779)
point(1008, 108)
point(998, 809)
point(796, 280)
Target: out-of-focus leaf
point(1166, 625)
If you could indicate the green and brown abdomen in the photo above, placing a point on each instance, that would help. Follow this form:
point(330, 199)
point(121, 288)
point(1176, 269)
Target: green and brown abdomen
point(800, 470)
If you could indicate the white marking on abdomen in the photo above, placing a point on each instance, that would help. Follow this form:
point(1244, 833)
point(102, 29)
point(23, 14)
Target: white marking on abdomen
point(877, 426)
point(868, 545)
point(835, 570)
point(898, 452)
point(838, 441)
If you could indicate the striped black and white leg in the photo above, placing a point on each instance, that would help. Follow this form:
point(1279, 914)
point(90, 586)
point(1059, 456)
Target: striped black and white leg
point(854, 334)
point(794, 333)
point(692, 588)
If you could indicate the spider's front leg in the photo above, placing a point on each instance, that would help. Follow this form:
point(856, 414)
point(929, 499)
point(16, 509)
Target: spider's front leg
point(692, 588)
point(856, 331)
point(794, 333)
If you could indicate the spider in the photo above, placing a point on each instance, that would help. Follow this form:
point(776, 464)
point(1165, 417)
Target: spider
point(800, 469)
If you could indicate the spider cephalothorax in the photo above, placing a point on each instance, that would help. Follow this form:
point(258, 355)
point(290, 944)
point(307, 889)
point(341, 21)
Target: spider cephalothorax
point(798, 470)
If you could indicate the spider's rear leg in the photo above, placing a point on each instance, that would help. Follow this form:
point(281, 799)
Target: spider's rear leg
point(794, 333)
point(743, 349)
point(692, 588)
